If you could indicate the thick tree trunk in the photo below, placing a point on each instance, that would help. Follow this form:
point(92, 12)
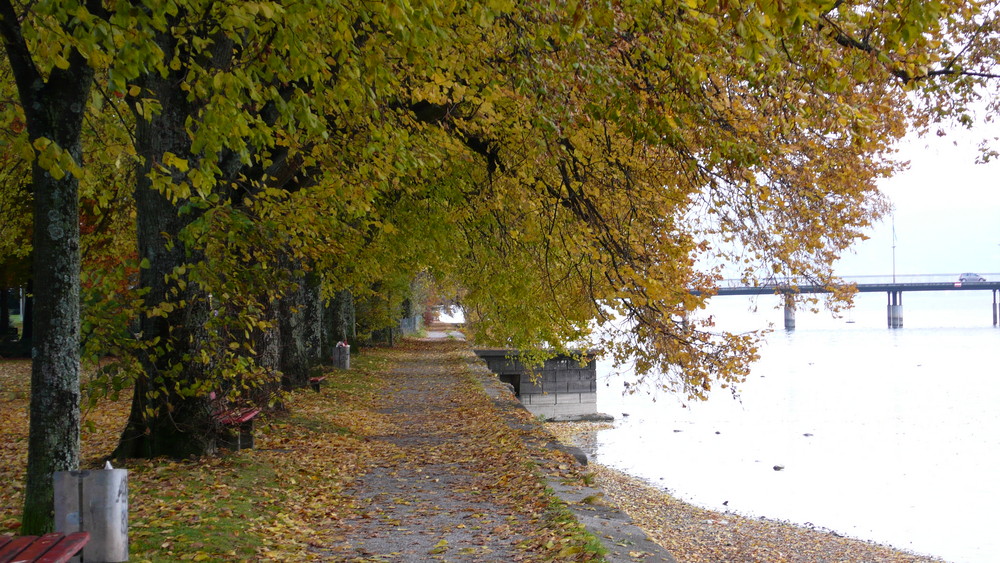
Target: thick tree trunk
point(173, 339)
point(54, 436)
point(313, 312)
point(53, 110)
point(293, 331)
point(267, 344)
point(342, 318)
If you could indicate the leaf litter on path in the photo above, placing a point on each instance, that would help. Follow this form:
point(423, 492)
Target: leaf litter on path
point(456, 481)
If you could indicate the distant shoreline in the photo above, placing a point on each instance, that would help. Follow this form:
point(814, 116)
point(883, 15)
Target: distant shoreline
point(694, 534)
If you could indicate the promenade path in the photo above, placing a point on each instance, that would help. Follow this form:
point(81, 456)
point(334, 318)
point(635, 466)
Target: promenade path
point(469, 475)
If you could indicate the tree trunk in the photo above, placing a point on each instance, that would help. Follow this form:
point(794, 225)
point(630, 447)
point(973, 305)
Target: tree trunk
point(313, 312)
point(54, 436)
point(292, 323)
point(338, 323)
point(267, 343)
point(172, 340)
point(53, 110)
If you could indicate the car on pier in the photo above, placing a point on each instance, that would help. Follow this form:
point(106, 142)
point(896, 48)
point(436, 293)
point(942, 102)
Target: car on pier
point(971, 277)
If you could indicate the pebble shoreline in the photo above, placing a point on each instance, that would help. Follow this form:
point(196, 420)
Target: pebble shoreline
point(693, 534)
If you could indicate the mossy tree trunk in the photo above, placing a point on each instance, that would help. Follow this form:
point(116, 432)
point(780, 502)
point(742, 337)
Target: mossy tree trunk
point(313, 312)
point(292, 329)
point(53, 109)
point(300, 321)
point(171, 339)
point(338, 322)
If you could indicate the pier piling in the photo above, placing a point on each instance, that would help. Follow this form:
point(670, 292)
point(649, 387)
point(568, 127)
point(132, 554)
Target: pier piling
point(789, 311)
point(895, 309)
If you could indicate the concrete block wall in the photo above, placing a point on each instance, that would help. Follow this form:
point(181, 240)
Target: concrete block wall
point(561, 390)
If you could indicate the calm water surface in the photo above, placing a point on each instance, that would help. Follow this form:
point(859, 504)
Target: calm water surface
point(885, 435)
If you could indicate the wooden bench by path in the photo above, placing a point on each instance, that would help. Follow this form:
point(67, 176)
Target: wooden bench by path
point(50, 548)
point(241, 419)
point(315, 381)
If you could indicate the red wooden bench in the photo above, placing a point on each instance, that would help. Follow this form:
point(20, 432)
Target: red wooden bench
point(50, 548)
point(315, 381)
point(241, 419)
point(236, 417)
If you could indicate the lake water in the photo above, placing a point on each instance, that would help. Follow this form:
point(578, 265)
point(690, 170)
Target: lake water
point(885, 435)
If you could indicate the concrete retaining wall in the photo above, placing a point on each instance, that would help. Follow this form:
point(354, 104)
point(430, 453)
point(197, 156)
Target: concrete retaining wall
point(562, 389)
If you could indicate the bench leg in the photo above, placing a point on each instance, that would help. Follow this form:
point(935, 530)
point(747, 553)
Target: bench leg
point(245, 440)
point(240, 437)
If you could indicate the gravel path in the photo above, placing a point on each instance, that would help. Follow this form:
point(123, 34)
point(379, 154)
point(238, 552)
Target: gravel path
point(431, 498)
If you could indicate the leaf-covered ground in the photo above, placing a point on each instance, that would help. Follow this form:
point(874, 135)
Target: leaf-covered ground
point(401, 458)
point(456, 481)
point(697, 535)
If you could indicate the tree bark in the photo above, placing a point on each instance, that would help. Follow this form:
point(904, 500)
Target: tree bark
point(267, 342)
point(293, 331)
point(267, 345)
point(53, 110)
point(172, 340)
point(338, 322)
point(313, 312)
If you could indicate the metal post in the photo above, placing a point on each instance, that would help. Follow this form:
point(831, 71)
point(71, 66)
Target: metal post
point(995, 308)
point(95, 502)
point(342, 356)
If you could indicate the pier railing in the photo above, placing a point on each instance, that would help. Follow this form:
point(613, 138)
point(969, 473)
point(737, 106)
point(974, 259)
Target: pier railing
point(892, 285)
point(862, 280)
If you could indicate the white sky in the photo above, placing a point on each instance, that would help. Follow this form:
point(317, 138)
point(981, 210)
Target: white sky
point(946, 210)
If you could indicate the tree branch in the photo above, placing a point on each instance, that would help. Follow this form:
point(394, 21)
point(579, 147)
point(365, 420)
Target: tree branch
point(26, 74)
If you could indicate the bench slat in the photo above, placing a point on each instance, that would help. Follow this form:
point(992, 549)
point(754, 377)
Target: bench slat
point(67, 547)
point(236, 416)
point(14, 546)
point(50, 548)
point(35, 548)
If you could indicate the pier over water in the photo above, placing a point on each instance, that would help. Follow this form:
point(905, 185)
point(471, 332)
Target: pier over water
point(893, 286)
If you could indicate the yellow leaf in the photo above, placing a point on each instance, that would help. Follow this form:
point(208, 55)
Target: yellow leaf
point(439, 547)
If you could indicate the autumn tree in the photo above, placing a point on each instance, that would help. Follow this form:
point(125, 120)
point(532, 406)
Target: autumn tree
point(564, 164)
point(635, 146)
point(53, 91)
point(246, 189)
point(54, 53)
point(257, 177)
